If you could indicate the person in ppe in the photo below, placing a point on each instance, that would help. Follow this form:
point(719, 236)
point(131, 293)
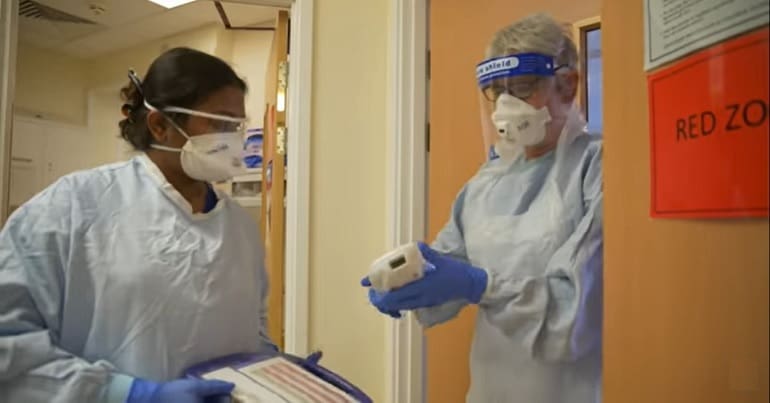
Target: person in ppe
point(524, 240)
point(115, 280)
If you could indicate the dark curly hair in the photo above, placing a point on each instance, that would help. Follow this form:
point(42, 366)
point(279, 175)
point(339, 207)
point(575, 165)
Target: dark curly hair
point(180, 77)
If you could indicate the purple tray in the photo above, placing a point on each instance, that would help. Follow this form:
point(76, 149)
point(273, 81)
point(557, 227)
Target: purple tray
point(246, 359)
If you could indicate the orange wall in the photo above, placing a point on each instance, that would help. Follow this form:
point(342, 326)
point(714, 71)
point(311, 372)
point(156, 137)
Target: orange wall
point(686, 301)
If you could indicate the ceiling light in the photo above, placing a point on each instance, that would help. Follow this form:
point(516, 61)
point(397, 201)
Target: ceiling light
point(171, 3)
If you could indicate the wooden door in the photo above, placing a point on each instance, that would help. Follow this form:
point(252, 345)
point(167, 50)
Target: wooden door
point(685, 301)
point(459, 33)
point(274, 173)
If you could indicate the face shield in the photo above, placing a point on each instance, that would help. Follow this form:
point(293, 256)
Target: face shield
point(519, 75)
point(509, 81)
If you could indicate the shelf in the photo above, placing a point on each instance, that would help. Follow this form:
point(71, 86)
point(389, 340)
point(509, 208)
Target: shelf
point(249, 201)
point(249, 177)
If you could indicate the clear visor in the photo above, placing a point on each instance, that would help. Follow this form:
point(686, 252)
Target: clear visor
point(519, 74)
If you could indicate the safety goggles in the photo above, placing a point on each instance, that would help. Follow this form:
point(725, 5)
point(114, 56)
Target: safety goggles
point(216, 123)
point(519, 75)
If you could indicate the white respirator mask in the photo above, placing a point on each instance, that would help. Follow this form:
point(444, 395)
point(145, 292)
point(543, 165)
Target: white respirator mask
point(210, 157)
point(518, 125)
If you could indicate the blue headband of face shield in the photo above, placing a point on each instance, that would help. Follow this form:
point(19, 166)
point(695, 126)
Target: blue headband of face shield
point(522, 64)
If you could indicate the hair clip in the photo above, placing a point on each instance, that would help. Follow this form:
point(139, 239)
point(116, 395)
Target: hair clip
point(135, 80)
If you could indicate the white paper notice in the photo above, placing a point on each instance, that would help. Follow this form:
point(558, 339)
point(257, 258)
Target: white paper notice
point(675, 28)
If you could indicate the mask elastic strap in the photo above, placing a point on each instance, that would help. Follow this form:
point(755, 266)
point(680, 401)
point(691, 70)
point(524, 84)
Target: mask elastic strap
point(204, 114)
point(176, 126)
point(171, 121)
point(164, 148)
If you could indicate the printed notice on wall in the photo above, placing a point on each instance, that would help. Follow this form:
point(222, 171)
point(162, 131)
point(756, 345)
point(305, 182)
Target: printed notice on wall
point(709, 132)
point(675, 28)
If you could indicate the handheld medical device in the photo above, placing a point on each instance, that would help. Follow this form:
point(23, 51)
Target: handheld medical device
point(397, 268)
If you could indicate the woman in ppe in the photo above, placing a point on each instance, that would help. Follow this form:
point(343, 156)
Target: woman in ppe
point(524, 241)
point(116, 279)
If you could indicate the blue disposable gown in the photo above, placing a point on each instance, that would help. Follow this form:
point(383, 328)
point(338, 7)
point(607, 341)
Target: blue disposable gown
point(536, 227)
point(108, 275)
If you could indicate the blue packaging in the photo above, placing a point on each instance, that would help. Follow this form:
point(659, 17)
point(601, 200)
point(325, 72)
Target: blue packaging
point(252, 156)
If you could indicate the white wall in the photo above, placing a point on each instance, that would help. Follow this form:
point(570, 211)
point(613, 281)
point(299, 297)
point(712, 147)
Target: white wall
point(111, 68)
point(250, 54)
point(50, 84)
point(348, 174)
point(103, 117)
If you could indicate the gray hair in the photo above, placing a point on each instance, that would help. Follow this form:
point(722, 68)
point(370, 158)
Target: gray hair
point(538, 33)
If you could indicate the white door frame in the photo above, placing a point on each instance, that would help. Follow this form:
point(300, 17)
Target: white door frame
point(9, 11)
point(296, 260)
point(298, 170)
point(407, 184)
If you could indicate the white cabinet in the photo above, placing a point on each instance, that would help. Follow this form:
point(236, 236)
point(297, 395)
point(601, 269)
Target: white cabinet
point(43, 151)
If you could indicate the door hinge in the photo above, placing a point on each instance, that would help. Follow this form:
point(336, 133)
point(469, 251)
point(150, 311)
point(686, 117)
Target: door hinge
point(283, 84)
point(427, 64)
point(427, 137)
point(280, 144)
point(283, 75)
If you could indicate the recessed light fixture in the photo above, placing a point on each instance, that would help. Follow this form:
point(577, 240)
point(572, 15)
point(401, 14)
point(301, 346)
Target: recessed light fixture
point(171, 3)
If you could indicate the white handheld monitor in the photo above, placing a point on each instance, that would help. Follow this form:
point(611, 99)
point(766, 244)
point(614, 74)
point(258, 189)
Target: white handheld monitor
point(397, 268)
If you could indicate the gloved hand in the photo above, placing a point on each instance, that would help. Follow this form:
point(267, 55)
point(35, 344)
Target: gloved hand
point(449, 280)
point(375, 297)
point(178, 391)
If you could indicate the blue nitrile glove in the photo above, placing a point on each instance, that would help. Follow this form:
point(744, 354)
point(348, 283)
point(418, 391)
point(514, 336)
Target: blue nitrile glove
point(450, 280)
point(314, 357)
point(178, 391)
point(375, 296)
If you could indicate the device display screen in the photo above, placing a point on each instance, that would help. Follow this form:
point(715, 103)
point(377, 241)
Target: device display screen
point(397, 262)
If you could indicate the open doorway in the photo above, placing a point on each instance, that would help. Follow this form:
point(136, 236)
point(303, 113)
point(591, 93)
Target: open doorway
point(588, 37)
point(432, 366)
point(64, 63)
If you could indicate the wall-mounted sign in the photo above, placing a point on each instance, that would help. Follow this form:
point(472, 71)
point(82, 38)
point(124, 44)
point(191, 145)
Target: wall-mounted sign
point(675, 28)
point(709, 132)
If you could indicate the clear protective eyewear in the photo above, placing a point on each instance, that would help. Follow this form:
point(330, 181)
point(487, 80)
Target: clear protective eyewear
point(217, 123)
point(519, 87)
